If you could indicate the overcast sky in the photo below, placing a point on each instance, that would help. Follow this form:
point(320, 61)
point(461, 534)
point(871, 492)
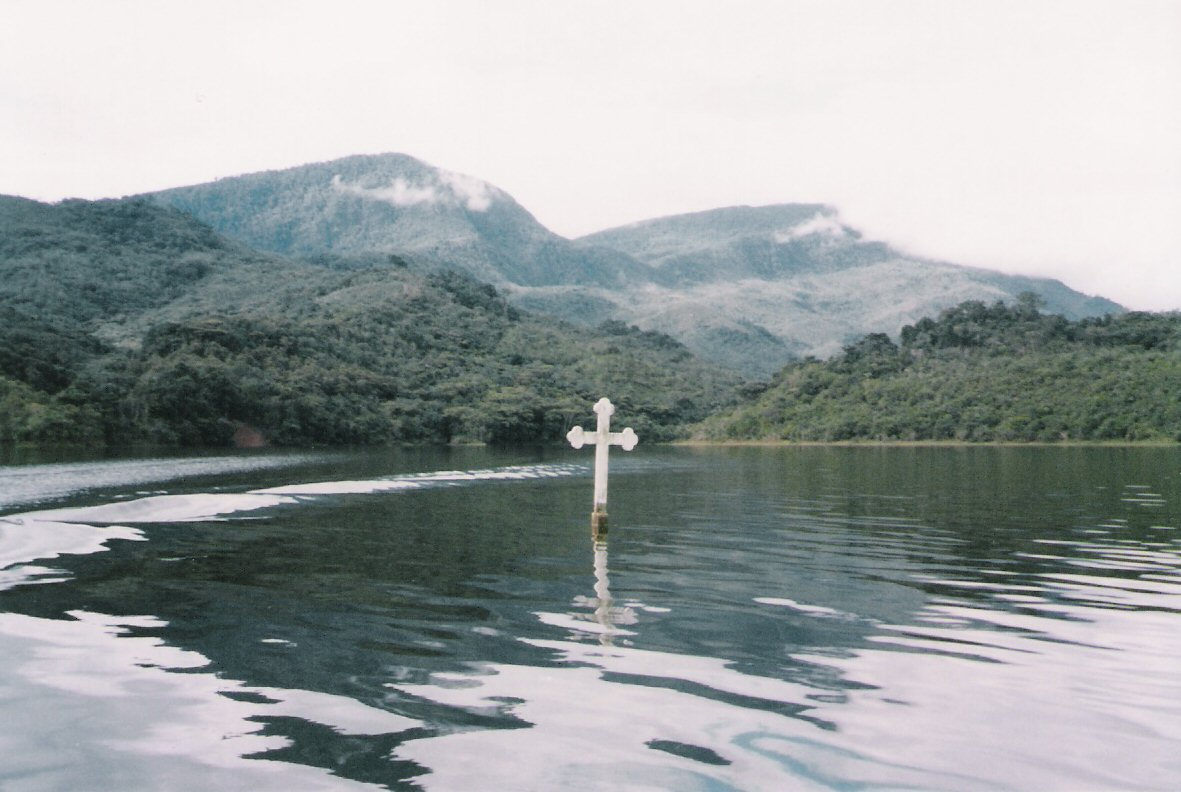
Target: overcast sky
point(1036, 136)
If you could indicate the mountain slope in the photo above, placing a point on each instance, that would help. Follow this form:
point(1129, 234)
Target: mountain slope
point(790, 240)
point(982, 373)
point(394, 203)
point(79, 277)
point(765, 284)
point(129, 321)
point(748, 287)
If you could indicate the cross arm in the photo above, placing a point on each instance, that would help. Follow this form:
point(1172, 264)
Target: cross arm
point(627, 439)
point(578, 438)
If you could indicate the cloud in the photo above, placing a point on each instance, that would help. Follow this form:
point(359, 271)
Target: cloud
point(820, 223)
point(476, 195)
point(400, 193)
point(451, 189)
point(941, 127)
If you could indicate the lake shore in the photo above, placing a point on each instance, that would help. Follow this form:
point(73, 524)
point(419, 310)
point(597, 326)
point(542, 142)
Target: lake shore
point(931, 443)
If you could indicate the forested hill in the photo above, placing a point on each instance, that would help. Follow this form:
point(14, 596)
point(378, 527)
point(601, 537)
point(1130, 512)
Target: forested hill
point(749, 288)
point(981, 373)
point(124, 321)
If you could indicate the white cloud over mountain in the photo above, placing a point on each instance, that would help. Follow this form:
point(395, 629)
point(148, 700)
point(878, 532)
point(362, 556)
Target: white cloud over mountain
point(454, 189)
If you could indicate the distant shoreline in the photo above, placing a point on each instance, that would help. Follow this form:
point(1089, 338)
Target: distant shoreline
point(929, 443)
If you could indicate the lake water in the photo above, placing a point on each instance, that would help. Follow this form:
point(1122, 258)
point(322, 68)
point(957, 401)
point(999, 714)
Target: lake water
point(976, 618)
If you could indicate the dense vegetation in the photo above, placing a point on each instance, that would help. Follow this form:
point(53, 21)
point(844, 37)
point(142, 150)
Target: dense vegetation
point(980, 373)
point(749, 288)
point(126, 322)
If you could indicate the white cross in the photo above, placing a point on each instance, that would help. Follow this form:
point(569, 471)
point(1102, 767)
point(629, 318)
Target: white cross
point(602, 439)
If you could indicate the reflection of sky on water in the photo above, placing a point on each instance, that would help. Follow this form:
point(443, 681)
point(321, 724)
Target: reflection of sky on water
point(101, 709)
point(613, 716)
point(21, 484)
point(1051, 704)
point(22, 542)
point(161, 509)
point(1048, 671)
point(194, 507)
point(50, 533)
point(610, 715)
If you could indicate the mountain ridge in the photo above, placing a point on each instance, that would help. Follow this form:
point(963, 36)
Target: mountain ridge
point(749, 287)
point(131, 321)
point(391, 203)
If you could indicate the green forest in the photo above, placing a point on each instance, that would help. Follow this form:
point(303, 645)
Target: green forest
point(125, 322)
point(448, 362)
point(980, 373)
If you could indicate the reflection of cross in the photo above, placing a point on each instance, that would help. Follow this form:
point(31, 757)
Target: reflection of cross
point(602, 439)
point(606, 614)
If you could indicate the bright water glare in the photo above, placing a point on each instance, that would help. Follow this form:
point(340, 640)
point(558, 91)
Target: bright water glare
point(974, 618)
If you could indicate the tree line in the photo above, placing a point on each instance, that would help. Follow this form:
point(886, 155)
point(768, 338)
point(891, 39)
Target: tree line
point(434, 359)
point(126, 322)
point(978, 372)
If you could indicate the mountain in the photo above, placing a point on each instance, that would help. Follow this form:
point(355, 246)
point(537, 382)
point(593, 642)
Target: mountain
point(764, 284)
point(393, 203)
point(81, 277)
point(128, 321)
point(748, 287)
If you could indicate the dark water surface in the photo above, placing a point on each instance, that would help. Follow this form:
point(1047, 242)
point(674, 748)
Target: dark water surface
point(761, 619)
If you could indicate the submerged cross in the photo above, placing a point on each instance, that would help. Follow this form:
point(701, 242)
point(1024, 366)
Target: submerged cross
point(602, 439)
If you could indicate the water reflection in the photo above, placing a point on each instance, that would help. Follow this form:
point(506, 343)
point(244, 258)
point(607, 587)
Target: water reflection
point(763, 619)
point(603, 713)
point(23, 541)
point(24, 484)
point(605, 613)
point(144, 713)
point(139, 714)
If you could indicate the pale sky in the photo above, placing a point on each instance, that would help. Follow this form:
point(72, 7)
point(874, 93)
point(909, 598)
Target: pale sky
point(1040, 137)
